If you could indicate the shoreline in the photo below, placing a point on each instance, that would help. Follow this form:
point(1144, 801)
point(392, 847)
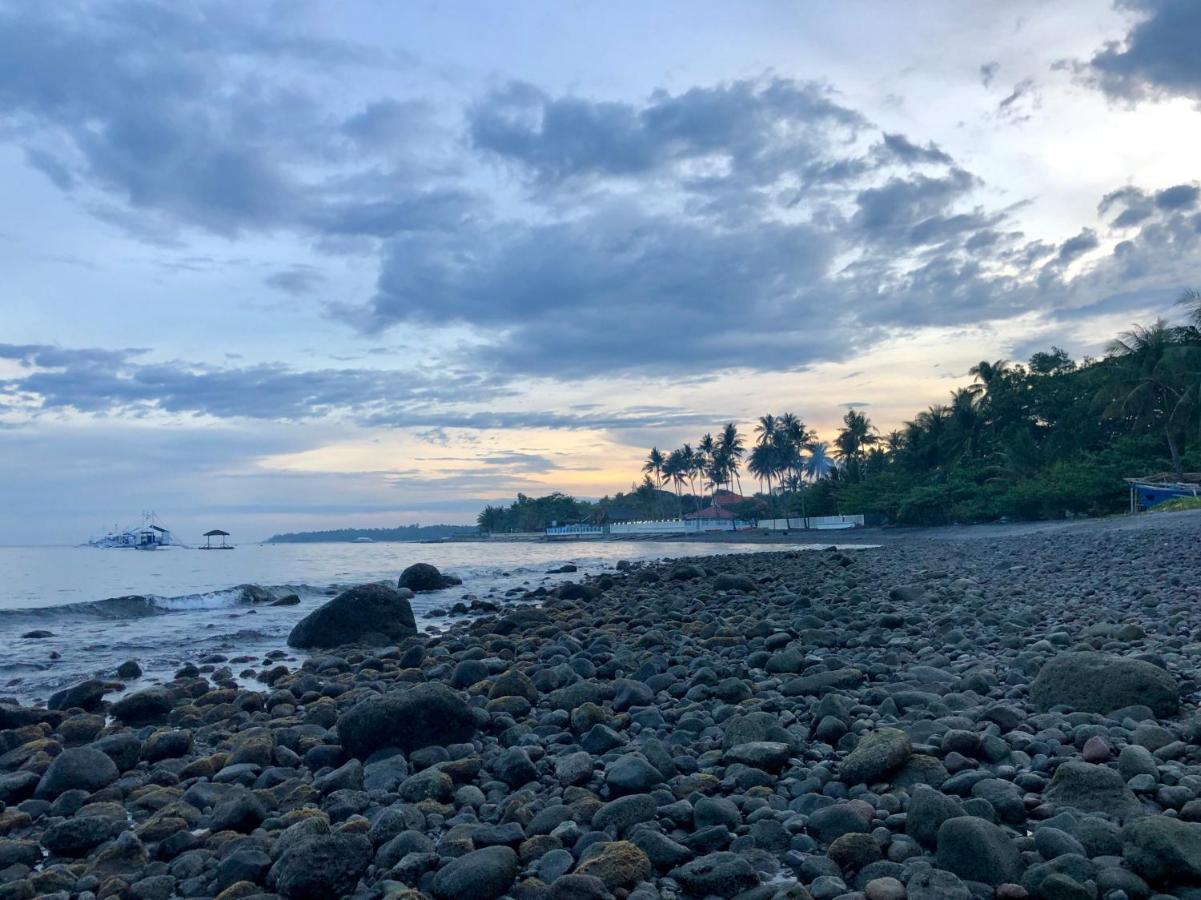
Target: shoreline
point(943, 714)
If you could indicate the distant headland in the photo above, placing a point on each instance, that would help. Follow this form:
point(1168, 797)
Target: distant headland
point(400, 533)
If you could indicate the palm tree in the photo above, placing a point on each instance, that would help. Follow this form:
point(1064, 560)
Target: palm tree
point(706, 450)
point(732, 450)
point(1191, 297)
point(674, 469)
point(819, 463)
point(966, 422)
point(1156, 382)
point(857, 433)
point(766, 429)
point(763, 465)
point(986, 374)
point(654, 466)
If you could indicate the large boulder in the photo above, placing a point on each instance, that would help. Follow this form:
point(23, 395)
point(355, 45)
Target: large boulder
point(420, 716)
point(717, 874)
point(370, 613)
point(87, 695)
point(320, 866)
point(978, 850)
point(1101, 683)
point(1163, 850)
point(1091, 788)
point(480, 875)
point(144, 707)
point(421, 577)
point(876, 755)
point(79, 768)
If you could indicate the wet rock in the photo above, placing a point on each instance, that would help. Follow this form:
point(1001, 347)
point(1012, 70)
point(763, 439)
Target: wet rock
point(876, 755)
point(480, 875)
point(1163, 850)
point(75, 768)
point(1101, 683)
point(977, 850)
point(422, 577)
point(87, 695)
point(368, 613)
point(143, 707)
point(1091, 788)
point(721, 874)
point(317, 867)
point(420, 716)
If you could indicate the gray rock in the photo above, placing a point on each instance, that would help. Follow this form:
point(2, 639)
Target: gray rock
point(716, 875)
point(624, 812)
point(514, 768)
point(632, 774)
point(423, 715)
point(770, 756)
point(1091, 788)
point(1163, 850)
point(876, 755)
point(1101, 683)
point(143, 707)
point(77, 768)
point(935, 884)
point(78, 836)
point(978, 851)
point(320, 866)
point(480, 875)
point(372, 613)
point(928, 809)
point(422, 577)
point(87, 695)
point(834, 821)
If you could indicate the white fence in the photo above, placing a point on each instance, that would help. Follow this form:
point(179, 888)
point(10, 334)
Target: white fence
point(697, 526)
point(816, 523)
point(571, 530)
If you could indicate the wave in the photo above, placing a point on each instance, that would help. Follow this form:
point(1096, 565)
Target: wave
point(135, 606)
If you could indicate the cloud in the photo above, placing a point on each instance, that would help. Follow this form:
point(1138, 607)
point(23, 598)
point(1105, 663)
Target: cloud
point(1157, 57)
point(908, 152)
point(741, 130)
point(988, 72)
point(295, 280)
point(167, 115)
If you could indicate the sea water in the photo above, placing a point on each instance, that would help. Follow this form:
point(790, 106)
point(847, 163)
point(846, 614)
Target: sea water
point(177, 605)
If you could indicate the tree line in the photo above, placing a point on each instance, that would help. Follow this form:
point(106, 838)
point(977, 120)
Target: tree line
point(1042, 439)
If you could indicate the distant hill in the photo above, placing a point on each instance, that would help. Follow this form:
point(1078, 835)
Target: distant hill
point(401, 533)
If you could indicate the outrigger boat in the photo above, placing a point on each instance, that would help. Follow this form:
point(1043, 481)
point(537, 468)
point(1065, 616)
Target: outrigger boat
point(150, 535)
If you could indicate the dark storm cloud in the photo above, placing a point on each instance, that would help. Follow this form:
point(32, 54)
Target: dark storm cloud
point(908, 152)
point(1158, 55)
point(758, 127)
point(893, 210)
point(1077, 246)
point(117, 383)
point(155, 106)
point(101, 381)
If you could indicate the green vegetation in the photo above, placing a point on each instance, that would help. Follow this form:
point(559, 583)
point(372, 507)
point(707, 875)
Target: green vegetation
point(1046, 439)
point(1181, 504)
point(400, 533)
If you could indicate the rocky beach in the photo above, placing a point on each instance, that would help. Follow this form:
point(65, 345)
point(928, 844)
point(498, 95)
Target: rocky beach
point(937, 719)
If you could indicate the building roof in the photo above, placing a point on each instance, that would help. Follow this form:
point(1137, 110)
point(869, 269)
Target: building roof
point(216, 532)
point(711, 512)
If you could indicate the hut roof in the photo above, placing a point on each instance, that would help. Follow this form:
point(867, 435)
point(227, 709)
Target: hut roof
point(216, 532)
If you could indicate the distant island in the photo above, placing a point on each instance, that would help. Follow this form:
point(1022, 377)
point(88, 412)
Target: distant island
point(400, 533)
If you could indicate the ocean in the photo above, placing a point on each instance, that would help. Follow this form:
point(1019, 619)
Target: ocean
point(178, 605)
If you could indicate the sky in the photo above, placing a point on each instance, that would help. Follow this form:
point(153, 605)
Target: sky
point(278, 266)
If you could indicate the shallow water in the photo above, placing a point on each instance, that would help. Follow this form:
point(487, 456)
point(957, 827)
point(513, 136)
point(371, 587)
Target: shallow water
point(179, 605)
